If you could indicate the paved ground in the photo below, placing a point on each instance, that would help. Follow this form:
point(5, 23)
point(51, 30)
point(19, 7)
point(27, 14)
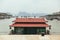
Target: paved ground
point(29, 37)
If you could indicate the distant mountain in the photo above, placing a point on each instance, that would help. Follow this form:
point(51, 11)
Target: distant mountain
point(31, 14)
point(23, 14)
point(54, 14)
point(39, 14)
point(5, 15)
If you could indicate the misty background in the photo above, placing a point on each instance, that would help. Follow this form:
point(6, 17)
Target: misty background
point(33, 7)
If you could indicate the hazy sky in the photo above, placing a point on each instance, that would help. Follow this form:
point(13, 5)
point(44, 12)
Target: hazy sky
point(30, 6)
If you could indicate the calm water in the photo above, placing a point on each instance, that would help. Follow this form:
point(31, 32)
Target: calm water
point(55, 26)
point(4, 26)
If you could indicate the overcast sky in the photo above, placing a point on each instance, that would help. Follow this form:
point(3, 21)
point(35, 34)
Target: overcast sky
point(30, 6)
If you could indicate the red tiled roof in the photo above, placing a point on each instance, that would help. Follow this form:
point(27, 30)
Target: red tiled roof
point(29, 25)
point(29, 20)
